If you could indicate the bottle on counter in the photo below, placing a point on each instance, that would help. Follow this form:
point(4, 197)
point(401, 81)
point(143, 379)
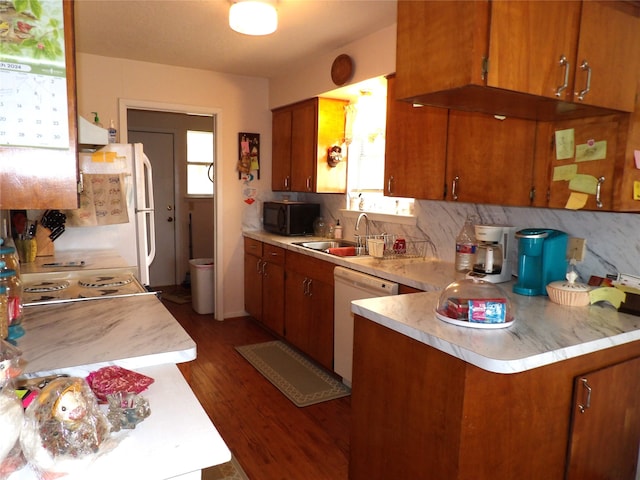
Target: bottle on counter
point(12, 287)
point(337, 231)
point(9, 255)
point(113, 133)
point(466, 246)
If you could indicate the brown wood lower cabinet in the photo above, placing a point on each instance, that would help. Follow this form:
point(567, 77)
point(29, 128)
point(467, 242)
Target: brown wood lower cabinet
point(418, 412)
point(264, 283)
point(309, 306)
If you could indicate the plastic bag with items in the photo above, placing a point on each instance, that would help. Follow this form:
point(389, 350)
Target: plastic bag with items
point(64, 428)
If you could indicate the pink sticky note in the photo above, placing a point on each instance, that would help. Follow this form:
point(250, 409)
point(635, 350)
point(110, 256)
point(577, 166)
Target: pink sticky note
point(636, 156)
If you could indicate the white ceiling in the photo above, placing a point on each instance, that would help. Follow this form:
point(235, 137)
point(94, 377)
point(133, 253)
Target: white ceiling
point(196, 33)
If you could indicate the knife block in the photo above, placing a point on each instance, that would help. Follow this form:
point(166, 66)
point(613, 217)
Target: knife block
point(43, 242)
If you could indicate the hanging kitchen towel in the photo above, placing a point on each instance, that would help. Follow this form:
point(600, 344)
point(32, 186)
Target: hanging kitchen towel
point(102, 202)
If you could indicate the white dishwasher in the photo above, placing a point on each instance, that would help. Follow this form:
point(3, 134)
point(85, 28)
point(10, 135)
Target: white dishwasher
point(349, 286)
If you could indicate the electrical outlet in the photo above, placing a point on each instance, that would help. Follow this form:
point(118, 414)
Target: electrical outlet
point(577, 249)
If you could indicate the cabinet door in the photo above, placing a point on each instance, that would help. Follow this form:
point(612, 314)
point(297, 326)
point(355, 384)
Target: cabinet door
point(297, 309)
point(606, 412)
point(320, 327)
point(38, 178)
point(526, 42)
point(610, 44)
point(566, 175)
point(253, 285)
point(303, 146)
point(490, 160)
point(415, 149)
point(281, 151)
point(273, 288)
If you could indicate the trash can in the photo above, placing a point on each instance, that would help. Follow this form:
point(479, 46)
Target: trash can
point(202, 291)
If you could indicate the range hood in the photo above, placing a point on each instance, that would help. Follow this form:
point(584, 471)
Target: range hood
point(91, 136)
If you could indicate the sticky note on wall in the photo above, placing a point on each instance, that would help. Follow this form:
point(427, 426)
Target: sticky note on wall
point(565, 172)
point(587, 152)
point(565, 144)
point(584, 183)
point(576, 201)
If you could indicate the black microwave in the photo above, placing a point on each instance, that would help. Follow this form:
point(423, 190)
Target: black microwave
point(290, 218)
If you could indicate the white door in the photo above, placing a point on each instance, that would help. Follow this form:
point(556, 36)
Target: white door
point(159, 147)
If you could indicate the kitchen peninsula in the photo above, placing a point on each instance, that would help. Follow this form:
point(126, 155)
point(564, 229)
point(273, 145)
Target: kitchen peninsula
point(177, 439)
point(555, 392)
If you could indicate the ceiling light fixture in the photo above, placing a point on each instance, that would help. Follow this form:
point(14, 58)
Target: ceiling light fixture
point(253, 17)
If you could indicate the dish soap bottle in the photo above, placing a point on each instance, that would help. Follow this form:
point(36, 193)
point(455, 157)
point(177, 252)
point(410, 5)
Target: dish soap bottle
point(466, 246)
point(337, 231)
point(112, 133)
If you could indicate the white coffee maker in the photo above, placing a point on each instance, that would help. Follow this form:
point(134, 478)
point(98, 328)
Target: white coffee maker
point(495, 253)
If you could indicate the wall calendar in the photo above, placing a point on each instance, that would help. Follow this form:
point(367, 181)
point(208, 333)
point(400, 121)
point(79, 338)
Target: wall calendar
point(33, 84)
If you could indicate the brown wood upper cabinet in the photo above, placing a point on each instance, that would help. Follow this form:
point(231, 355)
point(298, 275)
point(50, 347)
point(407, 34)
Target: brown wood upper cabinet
point(538, 60)
point(39, 178)
point(489, 159)
point(415, 149)
point(302, 135)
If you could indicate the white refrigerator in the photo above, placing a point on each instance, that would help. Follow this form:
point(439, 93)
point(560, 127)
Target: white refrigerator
point(131, 235)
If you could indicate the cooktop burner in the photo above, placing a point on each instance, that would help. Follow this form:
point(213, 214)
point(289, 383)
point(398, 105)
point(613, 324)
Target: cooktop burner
point(74, 287)
point(42, 287)
point(101, 281)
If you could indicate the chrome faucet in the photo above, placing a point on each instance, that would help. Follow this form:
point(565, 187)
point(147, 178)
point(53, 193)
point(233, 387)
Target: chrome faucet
point(360, 217)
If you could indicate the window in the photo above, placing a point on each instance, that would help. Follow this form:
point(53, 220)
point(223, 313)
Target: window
point(365, 136)
point(200, 164)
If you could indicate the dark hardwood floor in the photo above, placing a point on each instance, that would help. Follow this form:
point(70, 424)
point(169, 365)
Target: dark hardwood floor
point(269, 436)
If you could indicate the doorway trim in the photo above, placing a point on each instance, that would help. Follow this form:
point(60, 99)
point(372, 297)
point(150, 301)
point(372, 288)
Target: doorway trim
point(125, 104)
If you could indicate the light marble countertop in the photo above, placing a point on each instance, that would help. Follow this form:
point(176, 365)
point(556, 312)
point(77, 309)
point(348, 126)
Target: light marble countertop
point(428, 274)
point(133, 332)
point(542, 333)
point(178, 439)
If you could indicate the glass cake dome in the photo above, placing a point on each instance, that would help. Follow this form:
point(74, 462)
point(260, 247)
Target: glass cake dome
point(475, 303)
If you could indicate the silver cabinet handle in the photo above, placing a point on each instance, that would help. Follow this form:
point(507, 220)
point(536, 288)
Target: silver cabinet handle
point(587, 403)
point(264, 269)
point(582, 93)
point(564, 63)
point(454, 187)
point(258, 266)
point(309, 292)
point(308, 184)
point(599, 203)
point(286, 182)
point(390, 185)
point(305, 286)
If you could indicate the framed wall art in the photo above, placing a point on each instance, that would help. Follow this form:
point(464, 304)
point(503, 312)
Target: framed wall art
point(248, 153)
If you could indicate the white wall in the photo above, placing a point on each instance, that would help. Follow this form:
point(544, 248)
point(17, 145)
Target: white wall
point(243, 103)
point(373, 55)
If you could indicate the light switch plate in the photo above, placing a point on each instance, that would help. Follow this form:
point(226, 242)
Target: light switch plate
point(576, 249)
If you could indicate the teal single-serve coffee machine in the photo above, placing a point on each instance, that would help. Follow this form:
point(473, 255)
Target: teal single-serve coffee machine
point(542, 259)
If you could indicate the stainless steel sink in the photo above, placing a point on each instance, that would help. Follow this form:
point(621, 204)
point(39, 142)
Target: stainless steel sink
point(326, 244)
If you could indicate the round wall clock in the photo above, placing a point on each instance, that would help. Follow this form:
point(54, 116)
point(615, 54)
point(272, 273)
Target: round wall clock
point(341, 69)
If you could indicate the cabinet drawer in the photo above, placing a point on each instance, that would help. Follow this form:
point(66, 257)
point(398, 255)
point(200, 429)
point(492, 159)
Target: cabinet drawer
point(253, 247)
point(310, 267)
point(273, 254)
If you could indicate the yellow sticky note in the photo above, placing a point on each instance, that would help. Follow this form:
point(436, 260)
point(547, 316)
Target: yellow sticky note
point(608, 294)
point(591, 150)
point(584, 183)
point(576, 201)
point(636, 190)
point(565, 172)
point(99, 157)
point(564, 144)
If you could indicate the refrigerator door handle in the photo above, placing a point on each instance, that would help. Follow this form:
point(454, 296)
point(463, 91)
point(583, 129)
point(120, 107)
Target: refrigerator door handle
point(149, 210)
